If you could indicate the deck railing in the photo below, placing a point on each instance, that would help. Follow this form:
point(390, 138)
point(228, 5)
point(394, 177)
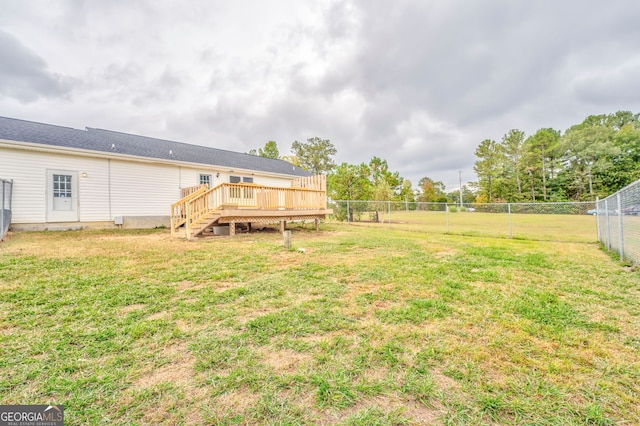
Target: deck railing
point(184, 192)
point(179, 208)
point(202, 202)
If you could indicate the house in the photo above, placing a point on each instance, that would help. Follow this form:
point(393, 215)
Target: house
point(65, 178)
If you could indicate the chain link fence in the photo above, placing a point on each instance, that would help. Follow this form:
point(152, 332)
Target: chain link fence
point(541, 221)
point(619, 222)
point(6, 186)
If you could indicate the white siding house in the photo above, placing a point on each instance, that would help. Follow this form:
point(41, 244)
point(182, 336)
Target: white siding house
point(67, 178)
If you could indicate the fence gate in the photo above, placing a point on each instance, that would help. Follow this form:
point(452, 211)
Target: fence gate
point(6, 187)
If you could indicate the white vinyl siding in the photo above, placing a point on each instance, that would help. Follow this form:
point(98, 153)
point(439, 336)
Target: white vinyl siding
point(106, 188)
point(139, 189)
point(28, 169)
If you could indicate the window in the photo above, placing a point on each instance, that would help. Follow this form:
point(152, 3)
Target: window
point(238, 179)
point(246, 193)
point(61, 186)
point(205, 180)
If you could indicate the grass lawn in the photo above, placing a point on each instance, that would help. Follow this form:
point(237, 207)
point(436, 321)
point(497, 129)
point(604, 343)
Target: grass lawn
point(548, 227)
point(365, 326)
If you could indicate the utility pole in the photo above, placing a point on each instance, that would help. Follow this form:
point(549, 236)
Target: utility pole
point(460, 178)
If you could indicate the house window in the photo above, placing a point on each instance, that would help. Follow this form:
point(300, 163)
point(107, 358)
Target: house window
point(246, 193)
point(205, 180)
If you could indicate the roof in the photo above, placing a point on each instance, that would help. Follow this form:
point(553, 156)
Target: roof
point(107, 141)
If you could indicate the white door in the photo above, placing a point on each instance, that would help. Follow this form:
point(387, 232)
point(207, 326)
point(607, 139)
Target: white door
point(62, 196)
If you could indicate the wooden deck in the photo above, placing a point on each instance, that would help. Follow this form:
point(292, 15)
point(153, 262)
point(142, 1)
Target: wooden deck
point(233, 203)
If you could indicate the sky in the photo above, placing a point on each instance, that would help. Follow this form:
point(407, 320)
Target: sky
point(418, 83)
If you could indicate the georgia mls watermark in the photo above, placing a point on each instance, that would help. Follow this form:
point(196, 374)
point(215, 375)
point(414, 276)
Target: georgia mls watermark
point(31, 415)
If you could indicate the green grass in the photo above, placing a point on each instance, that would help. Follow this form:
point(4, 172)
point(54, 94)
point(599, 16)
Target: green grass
point(370, 325)
point(546, 227)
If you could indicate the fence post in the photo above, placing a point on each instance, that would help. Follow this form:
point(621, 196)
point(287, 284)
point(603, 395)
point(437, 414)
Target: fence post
point(389, 210)
point(348, 215)
point(606, 218)
point(510, 222)
point(447, 216)
point(620, 228)
point(598, 218)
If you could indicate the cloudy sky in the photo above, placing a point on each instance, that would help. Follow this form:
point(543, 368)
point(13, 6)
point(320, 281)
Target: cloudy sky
point(419, 83)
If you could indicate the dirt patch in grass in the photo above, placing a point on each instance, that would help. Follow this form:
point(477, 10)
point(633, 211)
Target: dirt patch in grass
point(418, 412)
point(421, 414)
point(132, 308)
point(443, 382)
point(178, 372)
point(233, 402)
point(163, 315)
point(189, 326)
point(285, 360)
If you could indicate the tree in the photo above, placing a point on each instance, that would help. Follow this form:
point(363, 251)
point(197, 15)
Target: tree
point(626, 166)
point(541, 149)
point(386, 184)
point(596, 157)
point(588, 148)
point(488, 167)
point(315, 155)
point(468, 195)
point(431, 192)
point(513, 148)
point(291, 159)
point(270, 150)
point(349, 182)
point(406, 192)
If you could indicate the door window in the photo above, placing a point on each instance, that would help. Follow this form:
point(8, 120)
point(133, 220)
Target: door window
point(62, 186)
point(205, 180)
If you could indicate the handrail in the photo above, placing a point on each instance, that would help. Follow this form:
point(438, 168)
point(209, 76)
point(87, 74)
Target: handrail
point(178, 209)
point(185, 192)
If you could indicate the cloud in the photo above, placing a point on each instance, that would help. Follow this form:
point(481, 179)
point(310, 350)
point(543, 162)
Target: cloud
point(418, 83)
point(24, 75)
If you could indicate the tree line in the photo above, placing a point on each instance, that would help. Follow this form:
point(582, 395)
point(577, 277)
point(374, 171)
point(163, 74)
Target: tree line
point(592, 159)
point(366, 181)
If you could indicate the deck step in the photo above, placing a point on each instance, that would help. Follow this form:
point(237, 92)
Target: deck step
point(204, 223)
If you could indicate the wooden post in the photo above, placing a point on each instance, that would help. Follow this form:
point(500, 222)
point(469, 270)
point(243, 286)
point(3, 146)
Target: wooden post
point(317, 224)
point(232, 228)
point(283, 225)
point(187, 224)
point(286, 239)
